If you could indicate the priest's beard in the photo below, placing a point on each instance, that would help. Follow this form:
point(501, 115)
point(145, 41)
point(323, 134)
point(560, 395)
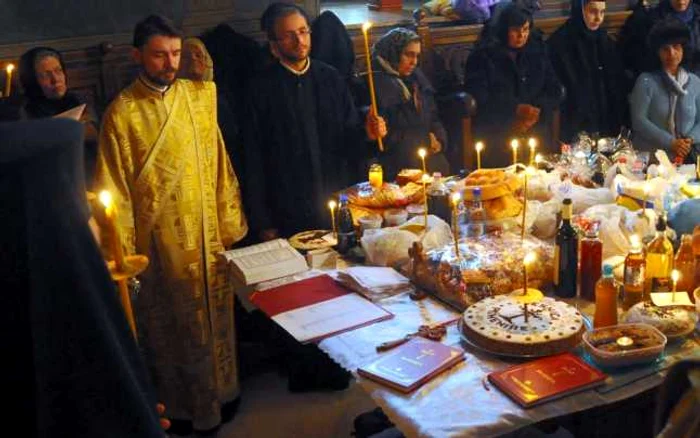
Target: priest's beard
point(163, 78)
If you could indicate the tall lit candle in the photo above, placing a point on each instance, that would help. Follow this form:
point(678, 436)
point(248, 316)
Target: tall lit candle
point(529, 171)
point(479, 147)
point(8, 79)
point(422, 152)
point(646, 189)
point(373, 98)
point(456, 197)
point(538, 160)
point(331, 207)
point(113, 229)
point(425, 179)
point(527, 261)
point(514, 144)
point(532, 144)
point(675, 276)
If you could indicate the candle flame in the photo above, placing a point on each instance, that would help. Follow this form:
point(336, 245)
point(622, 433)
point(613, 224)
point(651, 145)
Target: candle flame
point(647, 189)
point(634, 241)
point(366, 26)
point(514, 144)
point(529, 258)
point(106, 198)
point(532, 142)
point(675, 275)
point(331, 204)
point(422, 152)
point(479, 146)
point(538, 158)
point(426, 178)
point(530, 171)
point(9, 68)
point(455, 198)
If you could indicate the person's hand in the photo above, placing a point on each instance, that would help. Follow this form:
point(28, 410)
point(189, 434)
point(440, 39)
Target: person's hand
point(435, 146)
point(164, 422)
point(269, 234)
point(681, 146)
point(375, 126)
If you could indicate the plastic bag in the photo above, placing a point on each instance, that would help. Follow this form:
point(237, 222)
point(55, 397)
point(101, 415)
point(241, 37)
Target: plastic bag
point(389, 246)
point(617, 224)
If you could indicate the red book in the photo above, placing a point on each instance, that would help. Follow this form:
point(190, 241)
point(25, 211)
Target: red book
point(317, 308)
point(412, 364)
point(547, 379)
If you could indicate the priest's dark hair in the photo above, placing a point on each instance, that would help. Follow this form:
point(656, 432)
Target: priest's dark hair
point(276, 11)
point(151, 26)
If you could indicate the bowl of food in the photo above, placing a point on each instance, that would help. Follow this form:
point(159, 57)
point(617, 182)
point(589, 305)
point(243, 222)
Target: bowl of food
point(624, 344)
point(675, 322)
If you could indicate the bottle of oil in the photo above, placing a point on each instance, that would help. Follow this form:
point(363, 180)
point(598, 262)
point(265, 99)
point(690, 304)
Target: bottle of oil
point(635, 271)
point(659, 260)
point(685, 264)
point(605, 299)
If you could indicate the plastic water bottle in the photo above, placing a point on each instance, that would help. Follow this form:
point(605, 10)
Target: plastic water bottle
point(477, 214)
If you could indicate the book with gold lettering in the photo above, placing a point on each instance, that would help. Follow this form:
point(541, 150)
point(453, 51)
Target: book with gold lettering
point(547, 379)
point(412, 364)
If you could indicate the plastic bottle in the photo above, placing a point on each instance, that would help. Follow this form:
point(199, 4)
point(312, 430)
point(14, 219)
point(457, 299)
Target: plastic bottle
point(346, 230)
point(439, 199)
point(476, 215)
point(634, 276)
point(605, 299)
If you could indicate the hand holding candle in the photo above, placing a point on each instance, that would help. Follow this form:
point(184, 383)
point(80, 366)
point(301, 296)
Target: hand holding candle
point(479, 147)
point(373, 98)
point(514, 144)
point(331, 206)
point(422, 152)
point(8, 79)
point(456, 197)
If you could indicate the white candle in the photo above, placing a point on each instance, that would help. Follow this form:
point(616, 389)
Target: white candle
point(479, 147)
point(675, 276)
point(331, 206)
point(422, 153)
point(532, 143)
point(514, 145)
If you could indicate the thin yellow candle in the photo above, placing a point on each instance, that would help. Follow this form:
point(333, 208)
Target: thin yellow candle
point(373, 98)
point(697, 168)
point(529, 171)
point(538, 160)
point(8, 79)
point(331, 206)
point(529, 259)
point(532, 144)
point(675, 276)
point(514, 144)
point(456, 197)
point(425, 179)
point(646, 189)
point(113, 229)
point(422, 152)
point(479, 147)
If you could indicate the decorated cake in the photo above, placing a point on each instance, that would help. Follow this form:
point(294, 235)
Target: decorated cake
point(497, 324)
point(674, 322)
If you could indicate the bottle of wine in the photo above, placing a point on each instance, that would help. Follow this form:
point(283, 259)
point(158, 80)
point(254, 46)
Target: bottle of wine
point(566, 254)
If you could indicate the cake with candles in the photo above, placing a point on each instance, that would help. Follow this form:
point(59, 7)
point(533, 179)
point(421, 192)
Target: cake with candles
point(506, 325)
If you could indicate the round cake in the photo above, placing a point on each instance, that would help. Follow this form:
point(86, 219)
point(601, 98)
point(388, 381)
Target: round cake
point(497, 324)
point(674, 322)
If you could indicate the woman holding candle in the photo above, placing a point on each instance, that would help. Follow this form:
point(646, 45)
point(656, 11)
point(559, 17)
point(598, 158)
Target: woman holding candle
point(513, 83)
point(405, 99)
point(45, 85)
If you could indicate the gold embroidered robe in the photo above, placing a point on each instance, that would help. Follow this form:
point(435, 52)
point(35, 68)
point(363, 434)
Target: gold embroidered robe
point(163, 158)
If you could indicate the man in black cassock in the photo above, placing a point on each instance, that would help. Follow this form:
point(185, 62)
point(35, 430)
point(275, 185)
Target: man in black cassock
point(303, 140)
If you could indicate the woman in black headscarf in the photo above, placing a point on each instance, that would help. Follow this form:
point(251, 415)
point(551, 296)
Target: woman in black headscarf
point(513, 83)
point(586, 62)
point(406, 100)
point(43, 78)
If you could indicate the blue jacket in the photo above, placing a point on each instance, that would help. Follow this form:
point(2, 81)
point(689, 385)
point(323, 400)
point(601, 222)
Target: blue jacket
point(649, 109)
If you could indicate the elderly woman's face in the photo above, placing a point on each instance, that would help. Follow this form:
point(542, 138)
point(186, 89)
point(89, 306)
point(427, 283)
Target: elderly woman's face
point(517, 36)
point(194, 62)
point(50, 76)
point(671, 56)
point(680, 5)
point(409, 58)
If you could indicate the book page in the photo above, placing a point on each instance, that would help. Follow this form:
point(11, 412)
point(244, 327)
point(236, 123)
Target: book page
point(254, 249)
point(329, 317)
point(74, 113)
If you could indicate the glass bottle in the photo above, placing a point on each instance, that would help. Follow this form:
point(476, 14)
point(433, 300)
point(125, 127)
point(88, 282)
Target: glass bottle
point(376, 176)
point(476, 214)
point(605, 299)
point(696, 253)
point(634, 276)
point(659, 261)
point(346, 230)
point(685, 264)
point(439, 198)
point(591, 263)
point(566, 254)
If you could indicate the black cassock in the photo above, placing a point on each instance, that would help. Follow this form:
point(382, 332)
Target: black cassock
point(303, 141)
point(71, 367)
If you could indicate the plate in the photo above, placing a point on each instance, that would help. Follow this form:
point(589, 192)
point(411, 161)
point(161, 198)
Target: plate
point(481, 349)
point(313, 239)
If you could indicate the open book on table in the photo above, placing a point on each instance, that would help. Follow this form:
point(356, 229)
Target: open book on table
point(264, 261)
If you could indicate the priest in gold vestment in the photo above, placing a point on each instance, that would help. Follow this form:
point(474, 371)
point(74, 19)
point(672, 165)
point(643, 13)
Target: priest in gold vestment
point(163, 158)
